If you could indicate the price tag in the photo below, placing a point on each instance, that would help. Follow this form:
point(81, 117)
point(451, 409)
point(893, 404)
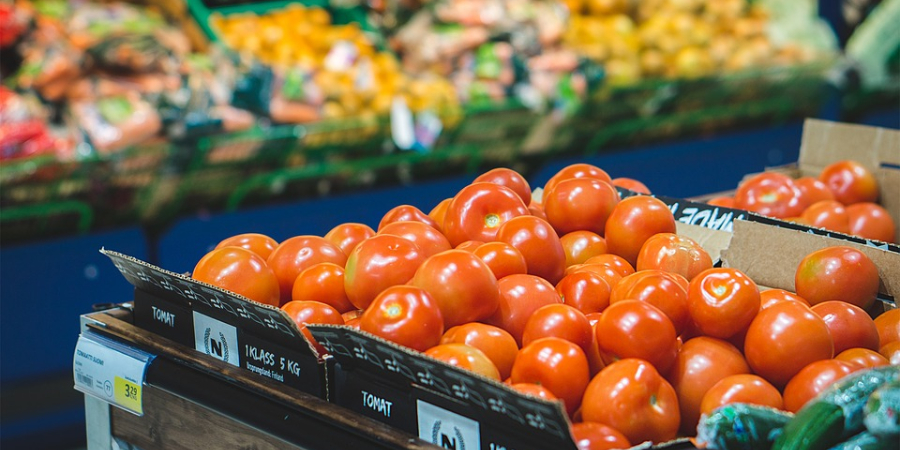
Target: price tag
point(111, 371)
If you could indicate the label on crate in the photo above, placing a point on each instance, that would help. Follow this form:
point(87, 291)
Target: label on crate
point(111, 371)
point(447, 429)
point(216, 339)
point(273, 361)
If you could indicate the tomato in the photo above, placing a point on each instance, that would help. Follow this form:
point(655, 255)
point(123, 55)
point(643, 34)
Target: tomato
point(742, 388)
point(595, 359)
point(609, 274)
point(509, 178)
point(559, 320)
point(520, 296)
point(623, 267)
point(582, 245)
point(534, 390)
point(631, 184)
point(406, 213)
point(837, 273)
point(585, 290)
point(700, 363)
point(862, 358)
point(633, 221)
point(828, 214)
point(439, 212)
point(469, 246)
point(296, 254)
point(664, 290)
point(577, 170)
point(377, 263)
point(770, 194)
point(597, 436)
point(813, 379)
point(323, 282)
point(496, 343)
point(347, 236)
point(580, 204)
point(257, 243)
point(405, 315)
point(891, 351)
point(307, 312)
point(241, 271)
point(871, 221)
point(465, 357)
point(813, 190)
point(636, 329)
point(888, 325)
point(850, 182)
point(673, 253)
point(556, 364)
point(783, 339)
point(848, 324)
point(478, 211)
point(429, 240)
point(502, 258)
point(538, 243)
point(461, 284)
point(722, 302)
point(770, 297)
point(631, 396)
point(352, 322)
point(723, 201)
point(537, 209)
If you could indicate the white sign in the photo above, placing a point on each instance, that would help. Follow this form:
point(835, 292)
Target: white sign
point(447, 429)
point(216, 338)
point(111, 371)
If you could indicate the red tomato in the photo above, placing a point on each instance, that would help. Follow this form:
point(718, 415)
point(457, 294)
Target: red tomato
point(664, 290)
point(813, 190)
point(723, 201)
point(405, 315)
point(631, 396)
point(439, 212)
point(508, 178)
point(636, 329)
point(837, 273)
point(377, 263)
point(577, 170)
point(479, 210)
point(888, 325)
point(534, 390)
point(406, 213)
point(323, 282)
point(352, 323)
point(595, 359)
point(770, 194)
point(538, 243)
point(582, 245)
point(608, 273)
point(257, 243)
point(461, 284)
point(347, 236)
point(783, 339)
point(701, 362)
point(623, 267)
point(722, 302)
point(580, 204)
point(585, 290)
point(429, 240)
point(850, 182)
point(827, 214)
point(240, 271)
point(496, 343)
point(862, 358)
point(597, 436)
point(556, 364)
point(465, 357)
point(631, 184)
point(813, 379)
point(296, 254)
point(469, 246)
point(770, 297)
point(849, 325)
point(502, 258)
point(673, 253)
point(520, 296)
point(743, 388)
point(558, 320)
point(537, 209)
point(633, 221)
point(306, 312)
point(871, 221)
point(891, 351)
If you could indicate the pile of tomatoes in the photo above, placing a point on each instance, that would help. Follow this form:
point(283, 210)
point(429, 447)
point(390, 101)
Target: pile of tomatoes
point(581, 296)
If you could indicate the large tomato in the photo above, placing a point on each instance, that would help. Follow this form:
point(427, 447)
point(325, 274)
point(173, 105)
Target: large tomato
point(871, 221)
point(478, 210)
point(469, 245)
point(405, 315)
point(743, 388)
point(240, 271)
point(837, 273)
point(323, 282)
point(631, 184)
point(439, 212)
point(664, 290)
point(502, 258)
point(534, 390)
point(582, 245)
point(597, 436)
point(461, 284)
point(585, 290)
point(520, 296)
point(307, 312)
point(580, 204)
point(722, 302)
point(404, 213)
point(783, 339)
point(577, 170)
point(429, 240)
point(770, 297)
point(623, 267)
point(631, 396)
point(257, 243)
point(770, 194)
point(496, 343)
point(633, 221)
point(559, 320)
point(348, 235)
point(509, 178)
point(862, 358)
point(610, 274)
point(294, 255)
point(813, 190)
point(888, 325)
point(377, 263)
point(465, 357)
point(828, 214)
point(813, 379)
point(538, 243)
point(849, 325)
point(673, 253)
point(850, 182)
point(636, 329)
point(558, 365)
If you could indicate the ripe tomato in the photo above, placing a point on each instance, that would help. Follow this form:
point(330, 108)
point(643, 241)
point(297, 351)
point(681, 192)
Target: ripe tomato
point(478, 210)
point(429, 240)
point(520, 296)
point(582, 245)
point(405, 213)
point(580, 204)
point(673, 253)
point(722, 302)
point(559, 320)
point(347, 236)
point(534, 390)
point(439, 212)
point(770, 297)
point(631, 396)
point(888, 325)
point(624, 268)
point(827, 214)
point(461, 284)
point(871, 221)
point(377, 263)
point(502, 258)
point(536, 209)
point(323, 282)
point(742, 388)
point(558, 365)
point(496, 343)
point(700, 363)
point(813, 379)
point(631, 184)
point(633, 221)
point(664, 290)
point(849, 325)
point(891, 351)
point(837, 273)
point(538, 243)
point(850, 182)
point(465, 357)
point(469, 246)
point(607, 272)
point(405, 315)
point(783, 339)
point(509, 178)
point(585, 290)
point(770, 194)
point(813, 190)
point(636, 329)
point(597, 436)
point(294, 255)
point(595, 359)
point(257, 243)
point(723, 201)
point(306, 312)
point(240, 271)
point(577, 170)
point(862, 358)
